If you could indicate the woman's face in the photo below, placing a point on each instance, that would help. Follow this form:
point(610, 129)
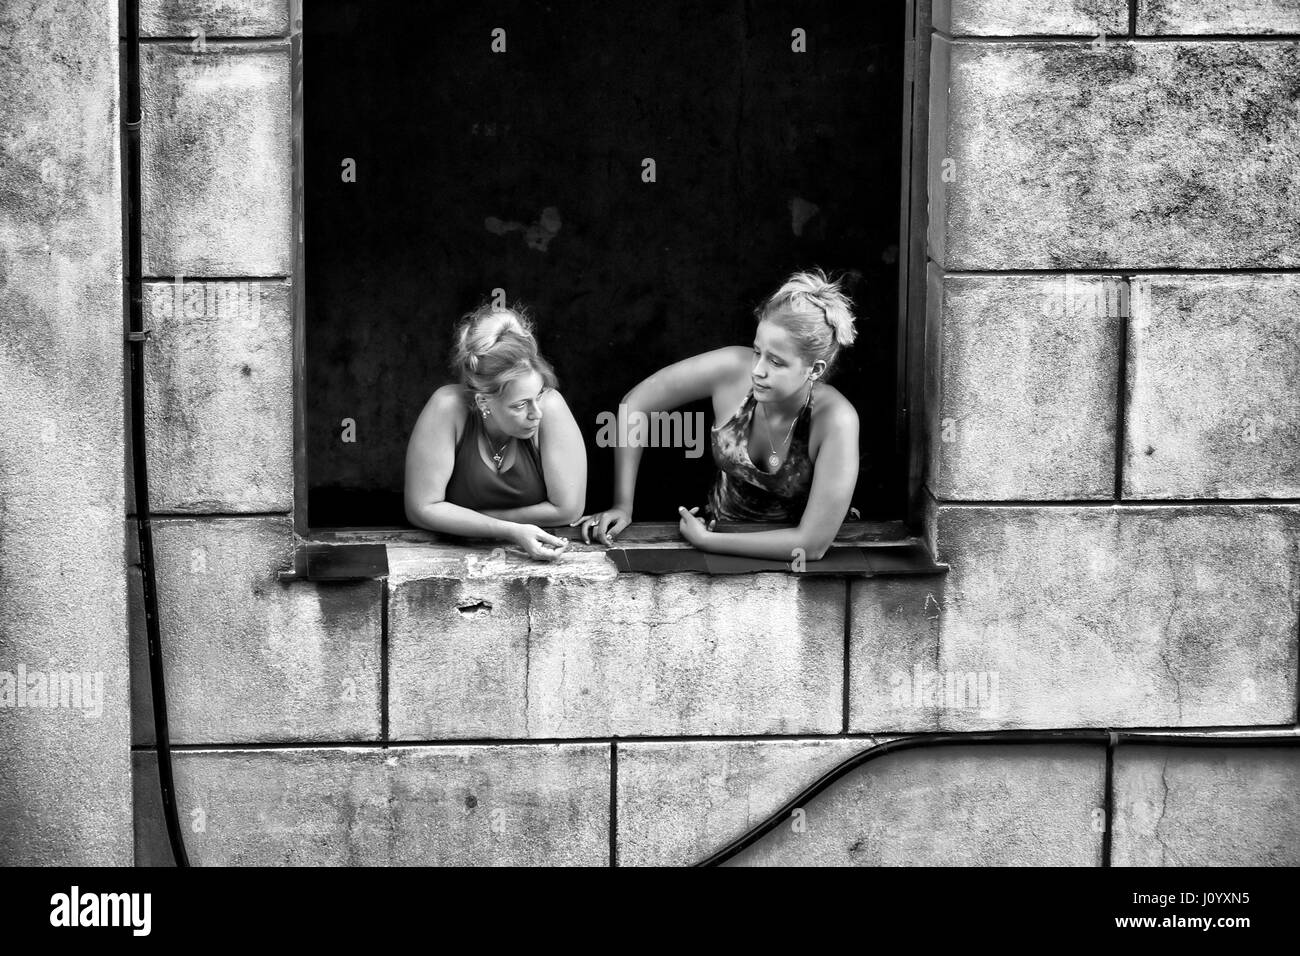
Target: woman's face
point(779, 371)
point(517, 410)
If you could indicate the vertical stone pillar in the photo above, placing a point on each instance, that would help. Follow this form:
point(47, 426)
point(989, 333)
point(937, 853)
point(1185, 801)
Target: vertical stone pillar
point(65, 778)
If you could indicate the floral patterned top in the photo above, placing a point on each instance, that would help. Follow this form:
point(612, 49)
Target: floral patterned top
point(745, 492)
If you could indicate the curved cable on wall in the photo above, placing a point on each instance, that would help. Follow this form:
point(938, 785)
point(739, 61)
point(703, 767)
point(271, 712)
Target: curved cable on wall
point(136, 337)
point(1108, 738)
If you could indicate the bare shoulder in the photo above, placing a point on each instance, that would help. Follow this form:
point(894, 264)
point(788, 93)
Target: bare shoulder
point(741, 355)
point(729, 369)
point(446, 405)
point(449, 394)
point(739, 360)
point(833, 411)
point(552, 400)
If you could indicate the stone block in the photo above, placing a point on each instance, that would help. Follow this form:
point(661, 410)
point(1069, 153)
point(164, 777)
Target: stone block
point(512, 649)
point(680, 801)
point(1206, 806)
point(529, 805)
point(894, 632)
point(990, 805)
point(217, 18)
point(1213, 382)
point(249, 659)
point(1028, 390)
point(219, 396)
point(217, 176)
point(1260, 17)
point(1120, 155)
point(1030, 17)
point(1177, 616)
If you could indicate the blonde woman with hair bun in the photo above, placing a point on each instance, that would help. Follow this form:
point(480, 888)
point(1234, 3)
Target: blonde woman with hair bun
point(785, 442)
point(497, 454)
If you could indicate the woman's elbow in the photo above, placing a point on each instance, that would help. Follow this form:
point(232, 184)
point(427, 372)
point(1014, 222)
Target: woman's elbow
point(417, 513)
point(815, 547)
point(570, 511)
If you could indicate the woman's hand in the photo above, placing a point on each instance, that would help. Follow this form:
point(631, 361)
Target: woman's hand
point(538, 544)
point(605, 524)
point(693, 529)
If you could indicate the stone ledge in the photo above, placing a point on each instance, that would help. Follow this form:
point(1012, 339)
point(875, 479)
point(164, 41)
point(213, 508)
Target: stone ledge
point(412, 562)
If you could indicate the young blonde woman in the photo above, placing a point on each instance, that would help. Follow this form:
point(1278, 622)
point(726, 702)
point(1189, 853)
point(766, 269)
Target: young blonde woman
point(786, 445)
point(497, 455)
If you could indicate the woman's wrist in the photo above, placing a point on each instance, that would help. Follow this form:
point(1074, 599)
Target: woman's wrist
point(508, 530)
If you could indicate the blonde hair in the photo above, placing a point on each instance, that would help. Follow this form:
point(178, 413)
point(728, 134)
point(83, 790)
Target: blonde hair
point(816, 313)
point(493, 346)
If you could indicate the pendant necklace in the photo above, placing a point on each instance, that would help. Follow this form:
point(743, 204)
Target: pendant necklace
point(774, 460)
point(499, 456)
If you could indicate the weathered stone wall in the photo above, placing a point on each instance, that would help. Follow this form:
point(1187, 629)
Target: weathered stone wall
point(1077, 387)
point(1112, 357)
point(65, 784)
point(1073, 367)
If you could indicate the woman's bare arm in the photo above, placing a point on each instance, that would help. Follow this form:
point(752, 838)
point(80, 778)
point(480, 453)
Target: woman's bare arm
point(430, 458)
point(671, 387)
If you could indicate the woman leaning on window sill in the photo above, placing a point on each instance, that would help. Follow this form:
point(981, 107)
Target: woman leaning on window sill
point(499, 454)
point(786, 443)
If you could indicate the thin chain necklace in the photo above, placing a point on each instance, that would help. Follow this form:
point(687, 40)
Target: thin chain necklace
point(774, 460)
point(499, 456)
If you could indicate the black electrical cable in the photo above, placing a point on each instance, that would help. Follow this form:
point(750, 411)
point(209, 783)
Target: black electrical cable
point(1106, 738)
point(136, 339)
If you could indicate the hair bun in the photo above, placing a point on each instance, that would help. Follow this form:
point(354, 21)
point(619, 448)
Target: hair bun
point(493, 342)
point(825, 293)
point(493, 326)
point(840, 319)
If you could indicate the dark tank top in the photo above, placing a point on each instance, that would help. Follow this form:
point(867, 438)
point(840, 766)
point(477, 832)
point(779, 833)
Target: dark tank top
point(742, 491)
point(476, 485)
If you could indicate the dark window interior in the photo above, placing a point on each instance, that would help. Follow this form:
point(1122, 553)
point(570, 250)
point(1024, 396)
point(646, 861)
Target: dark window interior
point(523, 171)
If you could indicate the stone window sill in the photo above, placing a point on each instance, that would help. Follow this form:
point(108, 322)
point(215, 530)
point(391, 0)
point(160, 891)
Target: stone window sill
point(861, 549)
